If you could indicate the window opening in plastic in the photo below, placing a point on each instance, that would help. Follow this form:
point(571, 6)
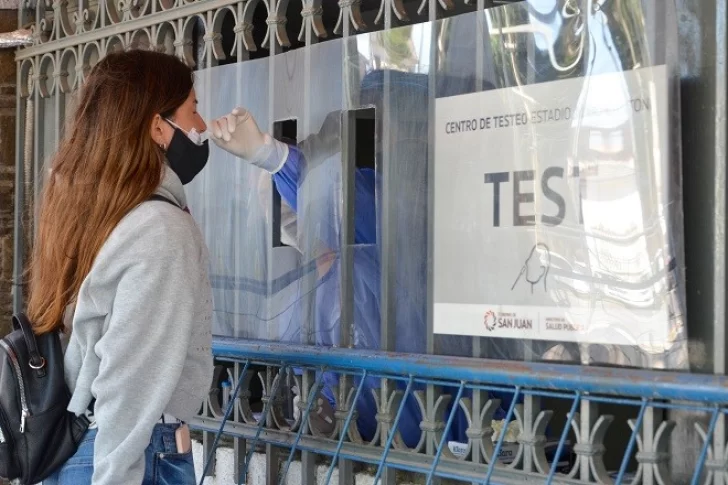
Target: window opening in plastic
point(361, 151)
point(287, 132)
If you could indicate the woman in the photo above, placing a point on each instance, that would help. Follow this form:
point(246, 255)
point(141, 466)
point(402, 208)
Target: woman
point(120, 256)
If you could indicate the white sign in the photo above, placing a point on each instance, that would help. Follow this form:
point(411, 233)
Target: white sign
point(551, 211)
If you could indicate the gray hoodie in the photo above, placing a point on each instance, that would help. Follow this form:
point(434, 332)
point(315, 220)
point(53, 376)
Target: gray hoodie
point(141, 333)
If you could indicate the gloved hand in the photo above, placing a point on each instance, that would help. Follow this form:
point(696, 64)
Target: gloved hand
point(238, 133)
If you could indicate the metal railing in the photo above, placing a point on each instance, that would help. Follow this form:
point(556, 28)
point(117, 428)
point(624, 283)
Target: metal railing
point(645, 397)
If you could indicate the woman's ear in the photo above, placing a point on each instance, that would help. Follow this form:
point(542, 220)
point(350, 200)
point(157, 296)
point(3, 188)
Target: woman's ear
point(156, 131)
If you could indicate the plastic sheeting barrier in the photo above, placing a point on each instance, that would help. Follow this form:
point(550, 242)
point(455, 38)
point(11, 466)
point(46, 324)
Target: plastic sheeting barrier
point(618, 259)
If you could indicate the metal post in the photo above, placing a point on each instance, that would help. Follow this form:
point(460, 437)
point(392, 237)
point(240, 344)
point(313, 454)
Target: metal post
point(703, 63)
point(272, 459)
point(19, 230)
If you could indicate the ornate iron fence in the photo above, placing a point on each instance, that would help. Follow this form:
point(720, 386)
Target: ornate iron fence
point(575, 399)
point(570, 424)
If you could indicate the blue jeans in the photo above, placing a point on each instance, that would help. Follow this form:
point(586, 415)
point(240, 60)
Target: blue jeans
point(163, 465)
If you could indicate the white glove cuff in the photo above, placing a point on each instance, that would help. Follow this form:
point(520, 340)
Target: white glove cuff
point(271, 156)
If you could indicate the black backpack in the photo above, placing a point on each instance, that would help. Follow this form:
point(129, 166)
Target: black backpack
point(37, 433)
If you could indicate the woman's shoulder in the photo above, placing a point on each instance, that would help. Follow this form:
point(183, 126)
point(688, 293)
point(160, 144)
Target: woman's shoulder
point(154, 240)
point(156, 226)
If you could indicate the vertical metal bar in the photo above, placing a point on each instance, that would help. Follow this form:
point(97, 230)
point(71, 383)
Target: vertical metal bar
point(18, 230)
point(564, 434)
point(207, 446)
point(38, 151)
point(432, 392)
point(704, 128)
point(388, 236)
point(532, 403)
point(480, 400)
point(431, 87)
point(272, 463)
point(241, 53)
point(706, 445)
point(303, 427)
point(346, 471)
point(346, 340)
point(719, 437)
point(21, 22)
point(632, 441)
point(261, 424)
point(307, 323)
point(392, 432)
point(271, 453)
point(348, 162)
point(225, 417)
point(239, 453)
point(240, 447)
point(587, 417)
point(345, 430)
point(60, 101)
point(718, 261)
point(239, 444)
point(346, 281)
point(502, 437)
point(479, 344)
point(308, 459)
point(652, 420)
point(210, 59)
point(39, 15)
point(102, 12)
point(531, 408)
point(719, 194)
point(272, 128)
point(443, 440)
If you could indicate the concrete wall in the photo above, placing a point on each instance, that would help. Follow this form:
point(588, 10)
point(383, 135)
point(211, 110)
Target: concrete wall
point(256, 471)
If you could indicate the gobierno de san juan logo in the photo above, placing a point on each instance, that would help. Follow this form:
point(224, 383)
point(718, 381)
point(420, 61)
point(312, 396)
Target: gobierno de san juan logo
point(489, 320)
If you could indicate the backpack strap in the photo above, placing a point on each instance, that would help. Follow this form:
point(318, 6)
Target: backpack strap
point(153, 197)
point(37, 362)
point(161, 198)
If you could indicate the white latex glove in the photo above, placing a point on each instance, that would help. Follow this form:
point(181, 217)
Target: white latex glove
point(238, 133)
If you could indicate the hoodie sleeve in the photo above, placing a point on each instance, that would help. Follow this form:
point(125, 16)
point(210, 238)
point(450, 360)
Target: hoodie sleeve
point(158, 289)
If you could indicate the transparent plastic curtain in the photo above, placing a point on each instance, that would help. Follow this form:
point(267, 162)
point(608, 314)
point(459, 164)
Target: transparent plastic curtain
point(621, 256)
point(231, 205)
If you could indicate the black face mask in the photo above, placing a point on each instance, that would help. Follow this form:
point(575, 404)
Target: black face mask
point(185, 157)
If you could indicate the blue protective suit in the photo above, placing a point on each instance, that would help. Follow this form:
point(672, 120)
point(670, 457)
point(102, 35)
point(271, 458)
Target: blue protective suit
point(366, 293)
